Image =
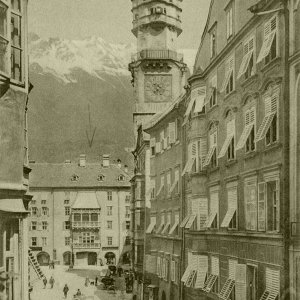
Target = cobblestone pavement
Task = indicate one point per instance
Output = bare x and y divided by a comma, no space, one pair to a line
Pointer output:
75,280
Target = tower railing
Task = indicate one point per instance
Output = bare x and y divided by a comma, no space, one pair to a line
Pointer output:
157,54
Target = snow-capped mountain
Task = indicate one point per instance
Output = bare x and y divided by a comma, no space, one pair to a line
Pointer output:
92,55
82,99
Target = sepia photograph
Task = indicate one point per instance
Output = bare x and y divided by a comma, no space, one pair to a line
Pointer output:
149,149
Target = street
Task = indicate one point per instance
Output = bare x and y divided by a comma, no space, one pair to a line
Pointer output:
75,280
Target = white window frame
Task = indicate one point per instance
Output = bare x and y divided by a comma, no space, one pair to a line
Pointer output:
251,207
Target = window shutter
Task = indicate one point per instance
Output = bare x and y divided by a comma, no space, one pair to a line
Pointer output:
250,205
272,281
232,263
158,147
199,94
215,265
203,150
240,282
173,266
162,135
202,268
248,53
261,206
152,142
172,136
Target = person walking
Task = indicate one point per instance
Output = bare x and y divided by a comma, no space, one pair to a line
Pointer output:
45,282
87,281
51,281
96,280
65,290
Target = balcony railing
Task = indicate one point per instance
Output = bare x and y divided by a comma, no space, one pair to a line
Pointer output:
86,245
88,224
157,54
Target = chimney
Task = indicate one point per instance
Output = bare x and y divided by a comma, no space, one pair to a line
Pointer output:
119,163
105,161
82,160
67,161
126,168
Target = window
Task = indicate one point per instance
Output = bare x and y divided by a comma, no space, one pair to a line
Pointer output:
212,282
85,217
33,241
44,241
127,199
168,183
127,225
33,202
67,225
109,210
213,42
192,157
212,97
127,211
152,183
94,217
152,146
43,202
227,292
67,241
3,37
127,240
229,20
33,225
269,48
162,182
228,83
230,220
211,157
247,137
247,65
272,281
268,127
45,211
45,225
229,143
213,216
121,178
109,224
109,196
175,184
77,217
34,211
67,210
16,46
109,241
74,177
196,102
100,177
250,196
151,225
66,202
172,132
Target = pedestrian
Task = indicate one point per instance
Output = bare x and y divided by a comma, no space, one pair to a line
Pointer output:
65,290
51,281
96,280
45,282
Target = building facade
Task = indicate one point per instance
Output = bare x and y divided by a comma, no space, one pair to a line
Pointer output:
236,171
14,174
80,213
158,71
163,252
294,80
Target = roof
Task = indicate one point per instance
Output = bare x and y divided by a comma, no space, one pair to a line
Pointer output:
159,116
86,200
71,175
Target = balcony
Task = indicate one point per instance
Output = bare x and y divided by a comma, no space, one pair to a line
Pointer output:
157,54
88,224
77,245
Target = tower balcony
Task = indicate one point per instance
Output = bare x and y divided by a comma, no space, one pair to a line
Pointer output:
157,54
87,224
157,20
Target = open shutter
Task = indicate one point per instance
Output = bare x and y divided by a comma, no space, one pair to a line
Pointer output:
229,64
199,94
250,204
240,282
230,130
172,137
202,151
232,206
270,30
262,206
272,281
173,266
248,53
202,269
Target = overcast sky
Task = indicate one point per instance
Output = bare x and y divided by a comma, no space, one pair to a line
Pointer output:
109,19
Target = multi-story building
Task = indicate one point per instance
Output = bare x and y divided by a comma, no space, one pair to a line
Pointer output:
14,173
81,209
236,174
158,77
294,79
158,71
163,236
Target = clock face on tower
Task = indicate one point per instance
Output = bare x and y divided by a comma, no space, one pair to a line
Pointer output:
158,88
